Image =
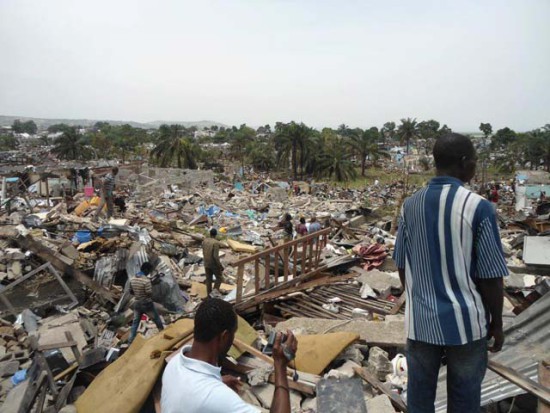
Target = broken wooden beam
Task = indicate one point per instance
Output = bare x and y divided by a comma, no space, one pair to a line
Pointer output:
51,256
396,400
520,380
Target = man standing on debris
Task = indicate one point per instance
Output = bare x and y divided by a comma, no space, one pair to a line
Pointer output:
450,260
314,226
142,289
286,225
192,381
212,263
107,189
301,228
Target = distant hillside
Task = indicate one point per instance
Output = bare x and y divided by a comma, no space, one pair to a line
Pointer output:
45,123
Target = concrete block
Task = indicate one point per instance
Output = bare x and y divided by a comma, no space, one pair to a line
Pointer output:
379,364
15,270
380,404
265,395
345,371
8,368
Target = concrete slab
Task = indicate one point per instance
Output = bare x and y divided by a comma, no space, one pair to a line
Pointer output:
380,333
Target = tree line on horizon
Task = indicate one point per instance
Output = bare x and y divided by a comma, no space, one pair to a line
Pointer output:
340,154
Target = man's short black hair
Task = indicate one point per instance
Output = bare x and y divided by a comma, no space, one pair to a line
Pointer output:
451,149
146,268
213,317
213,232
288,217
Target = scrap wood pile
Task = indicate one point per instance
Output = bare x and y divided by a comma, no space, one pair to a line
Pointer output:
60,333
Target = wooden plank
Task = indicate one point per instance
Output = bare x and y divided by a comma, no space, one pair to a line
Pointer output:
240,275
544,380
50,256
310,258
276,269
267,281
268,251
257,276
74,300
520,380
289,288
295,264
285,263
8,287
396,400
45,347
398,304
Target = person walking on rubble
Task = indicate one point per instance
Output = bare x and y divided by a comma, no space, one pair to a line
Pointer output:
314,226
450,260
142,289
288,229
301,228
212,263
192,381
107,189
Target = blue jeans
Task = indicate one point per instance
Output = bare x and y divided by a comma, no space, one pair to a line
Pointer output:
466,366
144,308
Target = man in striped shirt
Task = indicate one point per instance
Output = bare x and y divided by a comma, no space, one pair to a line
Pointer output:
107,189
142,289
450,260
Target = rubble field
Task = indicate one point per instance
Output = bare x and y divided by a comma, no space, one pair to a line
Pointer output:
66,308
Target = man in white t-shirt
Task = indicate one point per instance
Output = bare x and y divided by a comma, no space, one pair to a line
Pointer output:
192,381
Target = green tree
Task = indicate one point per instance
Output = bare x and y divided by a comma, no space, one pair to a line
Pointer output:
174,144
239,141
503,138
58,127
428,130
261,155
363,144
291,140
8,142
71,146
24,127
487,129
407,131
388,130
335,163
102,145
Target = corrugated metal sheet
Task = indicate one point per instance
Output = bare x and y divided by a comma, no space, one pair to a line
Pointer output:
527,341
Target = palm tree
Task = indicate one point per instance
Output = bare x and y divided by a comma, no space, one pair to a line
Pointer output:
291,140
364,143
335,163
407,130
173,145
71,146
260,155
388,130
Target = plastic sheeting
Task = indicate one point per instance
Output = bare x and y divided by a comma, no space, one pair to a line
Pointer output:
165,292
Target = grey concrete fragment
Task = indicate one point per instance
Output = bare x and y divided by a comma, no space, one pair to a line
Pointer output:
8,368
380,404
379,364
380,333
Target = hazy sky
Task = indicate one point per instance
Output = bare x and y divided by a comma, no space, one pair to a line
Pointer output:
321,62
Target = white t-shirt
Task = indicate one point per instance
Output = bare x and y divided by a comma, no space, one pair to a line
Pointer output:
193,386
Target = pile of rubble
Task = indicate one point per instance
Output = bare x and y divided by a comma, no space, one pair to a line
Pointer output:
67,308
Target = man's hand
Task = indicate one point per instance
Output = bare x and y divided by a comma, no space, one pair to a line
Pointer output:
495,331
290,345
234,383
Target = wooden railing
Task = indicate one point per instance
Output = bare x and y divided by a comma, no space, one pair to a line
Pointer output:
296,258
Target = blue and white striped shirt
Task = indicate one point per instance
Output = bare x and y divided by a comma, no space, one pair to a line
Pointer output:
448,238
